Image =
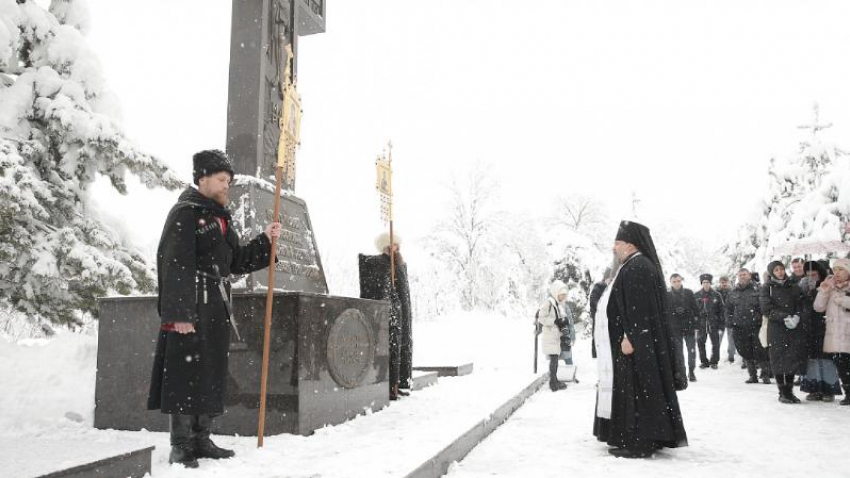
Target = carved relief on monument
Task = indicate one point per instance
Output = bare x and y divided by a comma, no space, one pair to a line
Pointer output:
351,348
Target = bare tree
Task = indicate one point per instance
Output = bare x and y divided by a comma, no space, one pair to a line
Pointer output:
461,239
580,213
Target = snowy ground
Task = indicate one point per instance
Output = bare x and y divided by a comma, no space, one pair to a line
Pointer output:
49,395
734,430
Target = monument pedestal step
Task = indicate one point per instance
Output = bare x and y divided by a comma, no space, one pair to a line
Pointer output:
424,379
40,458
447,370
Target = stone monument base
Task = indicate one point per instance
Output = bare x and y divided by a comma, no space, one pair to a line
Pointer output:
329,363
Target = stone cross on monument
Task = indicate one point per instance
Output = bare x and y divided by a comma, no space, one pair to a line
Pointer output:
261,31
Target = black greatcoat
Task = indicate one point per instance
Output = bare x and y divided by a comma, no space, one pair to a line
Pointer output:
787,346
190,371
375,284
645,408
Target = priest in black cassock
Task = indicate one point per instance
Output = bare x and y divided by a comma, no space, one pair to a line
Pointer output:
641,365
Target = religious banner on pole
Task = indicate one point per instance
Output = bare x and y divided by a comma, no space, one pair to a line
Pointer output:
384,185
290,124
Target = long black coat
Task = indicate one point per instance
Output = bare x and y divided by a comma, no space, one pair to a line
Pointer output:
190,371
645,407
683,308
595,295
787,346
375,284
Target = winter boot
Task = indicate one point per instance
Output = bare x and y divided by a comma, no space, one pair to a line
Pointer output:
814,397
765,376
751,368
783,393
691,376
555,386
182,449
204,447
846,400
828,398
789,390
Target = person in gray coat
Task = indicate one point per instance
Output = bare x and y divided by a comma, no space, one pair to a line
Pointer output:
781,302
553,321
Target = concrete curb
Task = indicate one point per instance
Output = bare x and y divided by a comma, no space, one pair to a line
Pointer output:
438,465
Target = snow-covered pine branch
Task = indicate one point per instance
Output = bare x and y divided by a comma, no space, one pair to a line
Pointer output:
57,135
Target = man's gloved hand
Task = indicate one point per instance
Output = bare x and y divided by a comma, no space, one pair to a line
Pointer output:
791,321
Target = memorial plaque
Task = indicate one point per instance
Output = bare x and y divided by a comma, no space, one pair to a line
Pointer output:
351,348
299,266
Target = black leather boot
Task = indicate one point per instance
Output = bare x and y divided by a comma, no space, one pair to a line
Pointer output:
182,449
751,368
691,376
204,447
846,399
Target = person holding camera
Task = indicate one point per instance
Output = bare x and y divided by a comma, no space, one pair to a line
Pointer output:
781,302
686,318
555,325
834,299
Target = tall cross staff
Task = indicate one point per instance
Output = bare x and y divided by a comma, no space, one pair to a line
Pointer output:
290,126
385,191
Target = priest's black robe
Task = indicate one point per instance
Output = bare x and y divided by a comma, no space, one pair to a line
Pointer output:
645,409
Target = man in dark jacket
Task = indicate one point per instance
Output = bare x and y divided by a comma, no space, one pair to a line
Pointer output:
685,316
198,250
723,288
744,317
637,408
376,284
712,321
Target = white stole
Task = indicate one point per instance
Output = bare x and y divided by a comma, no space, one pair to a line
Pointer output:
604,358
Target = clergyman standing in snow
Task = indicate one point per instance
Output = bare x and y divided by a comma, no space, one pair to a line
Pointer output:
639,354
198,250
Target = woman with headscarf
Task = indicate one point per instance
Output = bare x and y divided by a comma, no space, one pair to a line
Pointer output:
834,299
552,316
781,302
821,379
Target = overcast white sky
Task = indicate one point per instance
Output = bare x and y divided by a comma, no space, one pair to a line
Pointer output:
681,101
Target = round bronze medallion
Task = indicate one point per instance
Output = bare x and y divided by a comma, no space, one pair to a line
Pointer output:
351,348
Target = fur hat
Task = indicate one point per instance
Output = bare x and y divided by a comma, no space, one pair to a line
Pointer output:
557,288
208,162
706,277
382,242
841,264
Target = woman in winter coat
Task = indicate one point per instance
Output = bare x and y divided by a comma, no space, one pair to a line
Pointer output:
834,299
781,302
551,316
821,379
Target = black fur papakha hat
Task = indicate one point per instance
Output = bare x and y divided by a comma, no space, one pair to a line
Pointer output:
210,161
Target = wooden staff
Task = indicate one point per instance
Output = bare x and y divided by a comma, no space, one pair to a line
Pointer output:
267,324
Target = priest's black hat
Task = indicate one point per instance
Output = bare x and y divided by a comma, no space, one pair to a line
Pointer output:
705,277
210,161
638,234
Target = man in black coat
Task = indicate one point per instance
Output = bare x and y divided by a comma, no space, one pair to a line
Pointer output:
376,284
743,311
197,252
685,317
712,321
640,369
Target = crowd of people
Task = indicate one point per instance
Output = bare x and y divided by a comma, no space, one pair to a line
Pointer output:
789,326
793,329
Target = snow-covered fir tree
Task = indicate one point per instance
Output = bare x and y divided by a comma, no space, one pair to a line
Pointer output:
58,133
803,200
